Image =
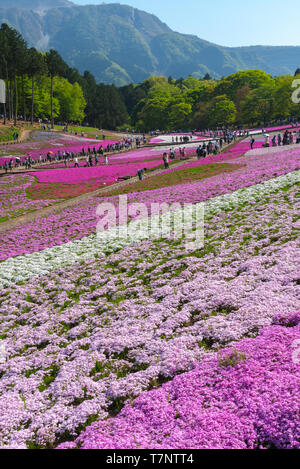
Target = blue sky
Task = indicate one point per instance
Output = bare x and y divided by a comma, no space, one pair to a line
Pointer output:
227,22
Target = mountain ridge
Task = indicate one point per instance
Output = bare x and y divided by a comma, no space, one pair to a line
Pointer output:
120,44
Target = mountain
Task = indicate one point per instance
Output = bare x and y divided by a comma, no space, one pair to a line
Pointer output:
120,44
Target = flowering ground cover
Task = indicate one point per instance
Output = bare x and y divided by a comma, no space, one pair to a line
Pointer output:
84,340
45,261
172,137
80,220
107,175
18,192
112,159
290,149
252,168
136,342
37,148
245,397
70,146
103,174
279,128
182,175
59,191
13,197
137,156
199,135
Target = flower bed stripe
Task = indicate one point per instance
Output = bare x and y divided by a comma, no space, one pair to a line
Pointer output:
16,269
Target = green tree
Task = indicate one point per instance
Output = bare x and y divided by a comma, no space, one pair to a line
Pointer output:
36,67
111,110
259,105
251,78
56,67
200,116
71,100
179,113
223,113
13,48
283,103
42,98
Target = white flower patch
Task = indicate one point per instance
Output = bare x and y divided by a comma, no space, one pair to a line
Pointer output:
41,263
270,150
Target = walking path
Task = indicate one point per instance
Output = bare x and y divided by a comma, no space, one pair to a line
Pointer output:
47,164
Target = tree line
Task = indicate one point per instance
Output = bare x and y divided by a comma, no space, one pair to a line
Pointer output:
42,85
37,84
246,98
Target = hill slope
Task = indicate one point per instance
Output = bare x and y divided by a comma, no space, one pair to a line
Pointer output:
120,44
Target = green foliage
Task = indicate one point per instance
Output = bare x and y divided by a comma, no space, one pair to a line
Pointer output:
231,358
39,79
248,97
7,135
259,106
43,85
223,113
71,100
231,84
49,378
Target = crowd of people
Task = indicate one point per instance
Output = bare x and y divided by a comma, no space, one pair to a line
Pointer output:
92,155
288,138
212,148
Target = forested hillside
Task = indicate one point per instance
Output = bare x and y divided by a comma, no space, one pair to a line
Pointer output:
120,44
43,85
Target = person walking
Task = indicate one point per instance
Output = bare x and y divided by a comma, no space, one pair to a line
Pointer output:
279,139
166,160
141,173
76,165
199,152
